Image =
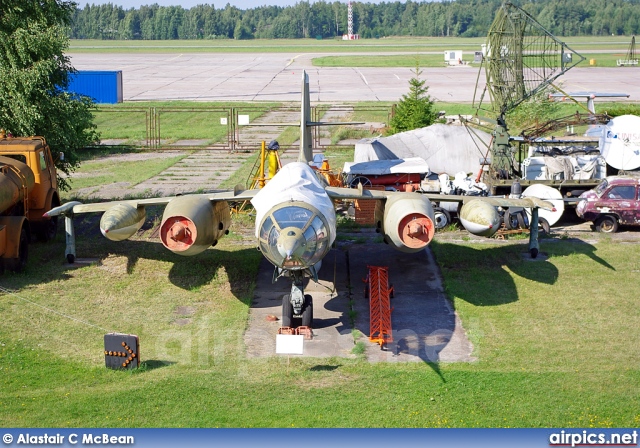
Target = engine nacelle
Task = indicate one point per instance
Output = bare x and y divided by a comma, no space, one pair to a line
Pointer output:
407,221
480,218
121,221
190,224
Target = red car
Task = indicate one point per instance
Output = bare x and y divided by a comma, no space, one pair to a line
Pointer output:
615,201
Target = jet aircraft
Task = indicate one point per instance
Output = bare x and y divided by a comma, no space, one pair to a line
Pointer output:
295,219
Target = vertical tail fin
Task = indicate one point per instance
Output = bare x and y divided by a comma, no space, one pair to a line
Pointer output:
306,143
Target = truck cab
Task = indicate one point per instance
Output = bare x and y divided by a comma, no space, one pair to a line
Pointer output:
28,189
615,201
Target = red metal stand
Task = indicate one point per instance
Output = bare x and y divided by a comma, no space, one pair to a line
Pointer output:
380,305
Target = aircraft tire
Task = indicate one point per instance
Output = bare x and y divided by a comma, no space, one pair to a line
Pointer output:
287,311
442,218
544,226
307,312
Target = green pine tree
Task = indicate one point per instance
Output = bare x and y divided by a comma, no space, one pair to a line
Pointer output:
415,109
34,71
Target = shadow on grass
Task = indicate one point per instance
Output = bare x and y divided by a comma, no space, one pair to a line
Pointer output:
47,262
323,368
482,275
152,364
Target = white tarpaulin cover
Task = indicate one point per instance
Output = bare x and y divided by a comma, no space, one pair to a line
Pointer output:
446,149
295,182
412,165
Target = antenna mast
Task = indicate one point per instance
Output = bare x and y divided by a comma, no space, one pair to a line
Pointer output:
350,35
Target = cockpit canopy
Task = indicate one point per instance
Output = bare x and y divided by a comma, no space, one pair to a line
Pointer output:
294,236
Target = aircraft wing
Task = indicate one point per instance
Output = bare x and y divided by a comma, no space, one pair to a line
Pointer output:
353,193
78,207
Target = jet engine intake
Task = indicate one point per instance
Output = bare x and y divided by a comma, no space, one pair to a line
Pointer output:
407,221
121,221
190,224
480,218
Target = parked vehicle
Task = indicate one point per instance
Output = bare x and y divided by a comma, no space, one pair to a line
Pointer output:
615,201
28,189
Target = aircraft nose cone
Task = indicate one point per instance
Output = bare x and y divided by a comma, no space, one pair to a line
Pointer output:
289,242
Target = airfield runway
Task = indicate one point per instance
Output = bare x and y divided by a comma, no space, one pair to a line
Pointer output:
277,76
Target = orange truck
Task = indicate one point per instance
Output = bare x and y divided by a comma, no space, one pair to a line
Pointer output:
28,189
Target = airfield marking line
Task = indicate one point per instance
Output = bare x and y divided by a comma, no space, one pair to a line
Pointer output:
177,57
362,76
396,76
12,293
293,59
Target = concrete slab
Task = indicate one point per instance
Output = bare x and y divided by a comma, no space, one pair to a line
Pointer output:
425,326
276,77
331,333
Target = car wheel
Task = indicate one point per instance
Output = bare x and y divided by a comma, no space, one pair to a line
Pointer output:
607,224
18,264
48,230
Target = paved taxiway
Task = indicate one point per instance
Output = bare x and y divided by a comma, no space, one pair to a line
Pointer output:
276,77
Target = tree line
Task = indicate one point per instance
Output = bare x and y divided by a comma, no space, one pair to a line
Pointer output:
320,19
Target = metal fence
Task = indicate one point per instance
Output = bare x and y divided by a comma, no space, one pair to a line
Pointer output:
223,128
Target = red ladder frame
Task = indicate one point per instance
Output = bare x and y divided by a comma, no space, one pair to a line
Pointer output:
380,309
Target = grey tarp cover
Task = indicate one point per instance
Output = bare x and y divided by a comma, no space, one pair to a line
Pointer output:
446,149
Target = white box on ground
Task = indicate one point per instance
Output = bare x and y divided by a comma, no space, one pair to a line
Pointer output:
289,344
243,120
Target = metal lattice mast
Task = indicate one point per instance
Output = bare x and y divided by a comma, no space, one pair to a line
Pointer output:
631,54
522,58
350,19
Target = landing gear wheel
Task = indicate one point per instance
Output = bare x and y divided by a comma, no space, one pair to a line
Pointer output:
510,220
533,252
515,220
442,218
71,258
307,312
23,252
543,227
287,311
607,224
523,222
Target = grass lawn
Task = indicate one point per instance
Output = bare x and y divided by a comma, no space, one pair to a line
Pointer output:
389,44
173,120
